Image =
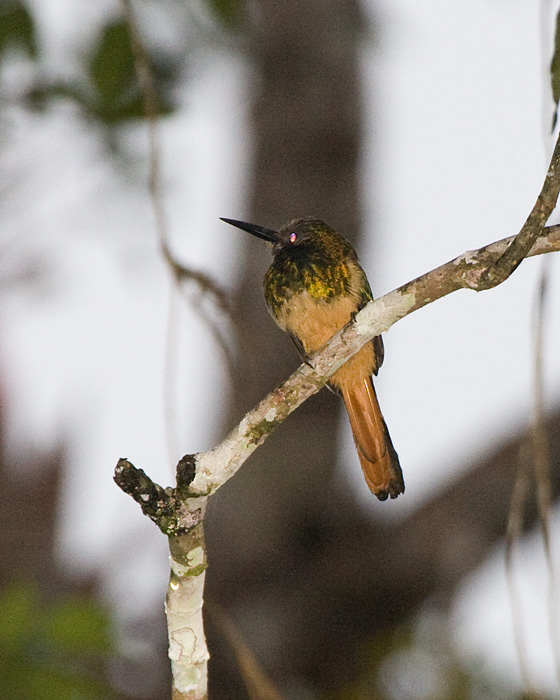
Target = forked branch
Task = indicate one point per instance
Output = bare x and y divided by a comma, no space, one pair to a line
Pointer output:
179,511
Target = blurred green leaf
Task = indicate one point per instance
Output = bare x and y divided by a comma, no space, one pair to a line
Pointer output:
37,98
52,651
27,682
555,70
228,12
16,28
110,94
49,683
111,69
112,65
78,625
18,616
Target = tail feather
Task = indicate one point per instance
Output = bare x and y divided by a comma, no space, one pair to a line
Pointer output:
379,460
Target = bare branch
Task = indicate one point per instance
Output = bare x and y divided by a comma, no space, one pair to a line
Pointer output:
187,646
542,466
215,467
167,507
531,230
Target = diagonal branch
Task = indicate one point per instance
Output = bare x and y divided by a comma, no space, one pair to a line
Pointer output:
187,645
215,467
198,476
520,246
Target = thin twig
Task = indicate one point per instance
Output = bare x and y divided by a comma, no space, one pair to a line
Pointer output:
540,459
513,533
532,228
542,466
149,97
148,92
180,273
257,683
208,288
162,505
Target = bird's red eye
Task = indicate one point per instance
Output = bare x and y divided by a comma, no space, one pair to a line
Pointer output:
293,237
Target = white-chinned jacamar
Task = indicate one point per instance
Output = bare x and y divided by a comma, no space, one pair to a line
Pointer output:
313,288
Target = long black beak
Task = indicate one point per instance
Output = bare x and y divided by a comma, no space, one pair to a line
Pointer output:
266,234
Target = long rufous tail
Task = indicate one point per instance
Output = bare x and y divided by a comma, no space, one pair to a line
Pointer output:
379,460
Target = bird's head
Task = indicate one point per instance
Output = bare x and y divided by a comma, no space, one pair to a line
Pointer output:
295,234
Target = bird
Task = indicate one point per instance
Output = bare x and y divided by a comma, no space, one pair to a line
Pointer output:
315,286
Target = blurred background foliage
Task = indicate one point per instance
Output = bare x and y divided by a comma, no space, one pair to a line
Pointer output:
107,90
17,30
53,650
60,644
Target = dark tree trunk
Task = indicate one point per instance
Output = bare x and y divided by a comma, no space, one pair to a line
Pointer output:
303,572
306,131
306,121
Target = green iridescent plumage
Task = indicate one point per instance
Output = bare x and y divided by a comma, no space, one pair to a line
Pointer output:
323,264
